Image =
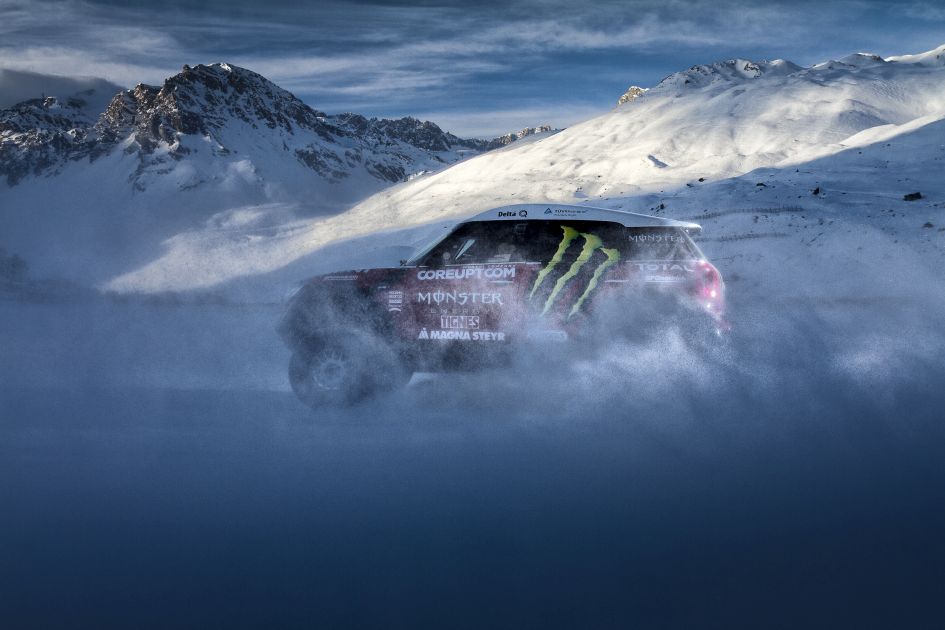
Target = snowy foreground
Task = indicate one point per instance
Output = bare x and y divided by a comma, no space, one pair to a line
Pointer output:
155,470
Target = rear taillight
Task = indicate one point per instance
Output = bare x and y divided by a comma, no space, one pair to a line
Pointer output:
711,289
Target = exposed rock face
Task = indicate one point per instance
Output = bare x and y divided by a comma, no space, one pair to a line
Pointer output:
633,92
38,134
509,138
223,110
725,73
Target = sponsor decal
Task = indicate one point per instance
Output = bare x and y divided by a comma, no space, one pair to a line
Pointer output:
613,256
664,267
658,237
448,322
569,235
466,273
461,335
565,212
523,213
395,301
436,311
663,279
340,277
592,244
458,297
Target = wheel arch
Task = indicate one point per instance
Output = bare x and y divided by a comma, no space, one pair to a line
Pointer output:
321,307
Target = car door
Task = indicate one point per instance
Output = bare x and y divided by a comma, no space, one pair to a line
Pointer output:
469,287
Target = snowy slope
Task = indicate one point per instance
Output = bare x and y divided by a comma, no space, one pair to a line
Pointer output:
715,122
91,189
775,160
861,131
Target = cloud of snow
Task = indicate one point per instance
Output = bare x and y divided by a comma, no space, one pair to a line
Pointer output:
807,331
813,438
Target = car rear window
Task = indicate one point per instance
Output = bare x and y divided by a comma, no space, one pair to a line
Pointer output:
486,242
659,244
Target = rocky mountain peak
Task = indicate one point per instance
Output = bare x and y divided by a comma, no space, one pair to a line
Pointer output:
509,138
633,92
228,115
201,100
726,72
227,111
36,133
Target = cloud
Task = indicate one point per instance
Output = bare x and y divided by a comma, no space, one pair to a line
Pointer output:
924,11
71,39
17,86
485,57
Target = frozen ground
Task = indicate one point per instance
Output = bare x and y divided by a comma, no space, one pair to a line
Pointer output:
145,508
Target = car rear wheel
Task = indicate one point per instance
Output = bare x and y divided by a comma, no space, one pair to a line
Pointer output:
343,369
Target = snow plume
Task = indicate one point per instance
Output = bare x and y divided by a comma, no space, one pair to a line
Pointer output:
802,456
794,362
861,310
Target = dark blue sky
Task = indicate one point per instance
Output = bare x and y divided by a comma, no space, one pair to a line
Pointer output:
477,68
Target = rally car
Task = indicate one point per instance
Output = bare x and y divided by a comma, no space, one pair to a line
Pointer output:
508,277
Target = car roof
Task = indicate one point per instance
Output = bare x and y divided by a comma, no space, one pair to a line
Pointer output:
551,211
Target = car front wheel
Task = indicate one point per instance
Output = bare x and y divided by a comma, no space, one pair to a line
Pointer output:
342,369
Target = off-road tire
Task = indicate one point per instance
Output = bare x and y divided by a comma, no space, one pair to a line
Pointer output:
342,369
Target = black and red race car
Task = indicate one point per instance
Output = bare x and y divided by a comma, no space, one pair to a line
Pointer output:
510,276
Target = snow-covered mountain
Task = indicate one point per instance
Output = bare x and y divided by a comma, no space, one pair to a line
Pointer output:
712,122
149,162
208,119
776,161
769,156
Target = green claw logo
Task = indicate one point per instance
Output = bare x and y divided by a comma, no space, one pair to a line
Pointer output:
592,244
569,235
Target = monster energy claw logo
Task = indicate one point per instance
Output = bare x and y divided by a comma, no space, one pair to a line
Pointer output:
592,244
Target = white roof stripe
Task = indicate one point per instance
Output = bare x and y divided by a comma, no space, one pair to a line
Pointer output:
551,211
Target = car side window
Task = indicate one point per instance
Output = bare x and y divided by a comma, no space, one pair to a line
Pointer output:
480,243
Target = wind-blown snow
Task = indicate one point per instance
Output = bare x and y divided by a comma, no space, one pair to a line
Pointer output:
19,85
